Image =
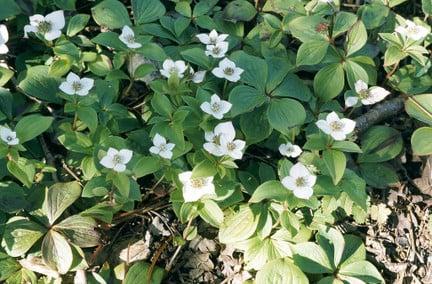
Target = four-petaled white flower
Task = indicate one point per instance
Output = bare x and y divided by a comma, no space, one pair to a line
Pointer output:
161,147
116,159
216,107
221,141
300,181
195,189
228,70
336,127
4,37
171,67
218,50
290,150
412,31
128,37
74,85
8,136
49,26
212,38
367,96
197,77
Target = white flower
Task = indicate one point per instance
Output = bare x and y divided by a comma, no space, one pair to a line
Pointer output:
170,68
4,37
212,38
232,148
228,70
116,159
221,141
412,31
8,136
50,26
197,77
216,107
196,188
300,181
290,150
161,147
213,145
74,85
128,37
218,50
367,96
336,127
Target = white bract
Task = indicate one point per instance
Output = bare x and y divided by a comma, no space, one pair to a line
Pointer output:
216,107
74,85
171,67
197,77
212,38
218,50
221,141
49,26
290,150
161,147
4,37
336,127
228,70
367,96
128,37
195,189
116,159
412,31
8,136
300,181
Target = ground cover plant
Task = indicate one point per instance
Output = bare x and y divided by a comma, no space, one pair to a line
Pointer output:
213,141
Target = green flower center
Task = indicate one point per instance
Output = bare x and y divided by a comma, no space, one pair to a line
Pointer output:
215,107
336,125
44,27
130,38
228,71
117,159
197,182
231,146
300,182
76,86
364,94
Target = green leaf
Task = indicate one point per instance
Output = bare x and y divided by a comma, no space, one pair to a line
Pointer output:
211,213
37,83
146,166
427,7
76,24
420,107
68,5
89,116
329,81
356,38
239,10
293,87
335,162
346,146
32,126
238,226
9,9
255,125
354,250
305,28
184,9
56,252
245,99
379,175
333,243
109,39
142,272
196,56
5,75
311,258
205,168
111,14
421,141
20,234
59,197
362,270
255,69
285,113
393,55
355,72
23,170
81,231
147,11
272,190
152,51
355,187
343,22
8,266
162,105
281,271
311,52
12,197
379,144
